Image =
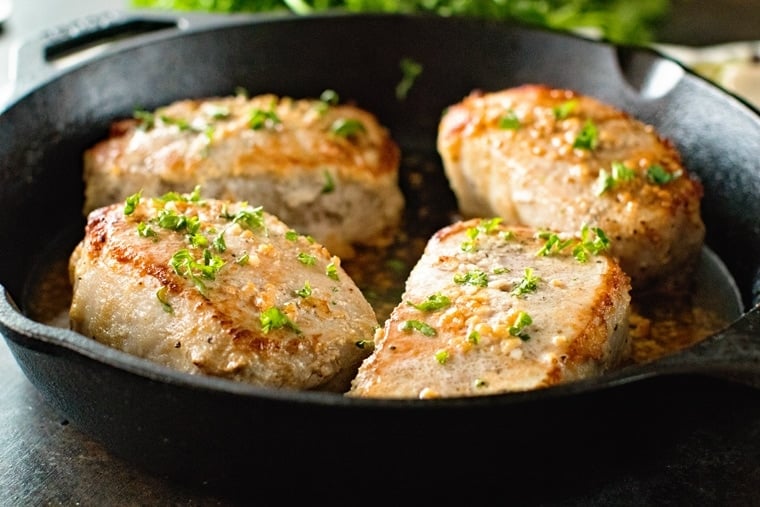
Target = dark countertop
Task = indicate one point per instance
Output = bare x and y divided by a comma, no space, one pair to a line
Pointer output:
46,461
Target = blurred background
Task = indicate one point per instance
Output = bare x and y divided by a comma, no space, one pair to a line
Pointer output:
720,39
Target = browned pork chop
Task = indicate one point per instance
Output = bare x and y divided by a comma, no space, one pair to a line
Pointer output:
556,159
326,169
219,288
490,309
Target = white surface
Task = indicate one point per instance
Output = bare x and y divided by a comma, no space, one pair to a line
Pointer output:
27,20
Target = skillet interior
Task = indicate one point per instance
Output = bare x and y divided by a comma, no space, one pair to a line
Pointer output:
138,408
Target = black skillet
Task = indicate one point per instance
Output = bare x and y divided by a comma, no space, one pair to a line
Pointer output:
212,431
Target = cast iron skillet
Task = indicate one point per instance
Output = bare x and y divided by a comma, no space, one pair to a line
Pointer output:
216,431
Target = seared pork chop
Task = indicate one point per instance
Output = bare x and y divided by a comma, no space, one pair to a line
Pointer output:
556,159
490,309
219,288
326,169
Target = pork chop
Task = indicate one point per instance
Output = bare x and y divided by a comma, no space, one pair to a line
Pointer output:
219,288
556,159
491,309
325,168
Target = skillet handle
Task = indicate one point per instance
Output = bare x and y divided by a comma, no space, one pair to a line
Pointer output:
732,354
41,56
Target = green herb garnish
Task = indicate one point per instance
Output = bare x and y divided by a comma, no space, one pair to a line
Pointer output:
433,302
509,121
416,325
274,318
521,322
588,137
347,127
410,71
659,176
475,277
528,284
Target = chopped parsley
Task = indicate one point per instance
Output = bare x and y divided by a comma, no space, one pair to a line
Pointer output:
332,271
250,218
442,356
410,71
416,325
485,226
588,137
130,204
304,291
329,184
433,302
162,296
509,121
263,119
347,127
274,318
659,176
187,266
306,259
475,277
528,284
620,173
564,110
593,241
521,322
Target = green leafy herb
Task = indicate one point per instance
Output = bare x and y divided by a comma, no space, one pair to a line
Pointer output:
588,137
243,259
620,173
521,322
553,243
617,20
332,271
347,127
442,356
509,121
410,71
274,318
306,259
564,110
261,119
252,219
146,231
659,176
146,119
433,302
593,241
162,295
528,284
130,204
329,185
475,277
187,266
304,291
416,325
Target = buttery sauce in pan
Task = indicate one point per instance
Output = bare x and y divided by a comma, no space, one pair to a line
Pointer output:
661,323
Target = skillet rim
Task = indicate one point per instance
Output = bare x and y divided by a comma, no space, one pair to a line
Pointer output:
21,328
